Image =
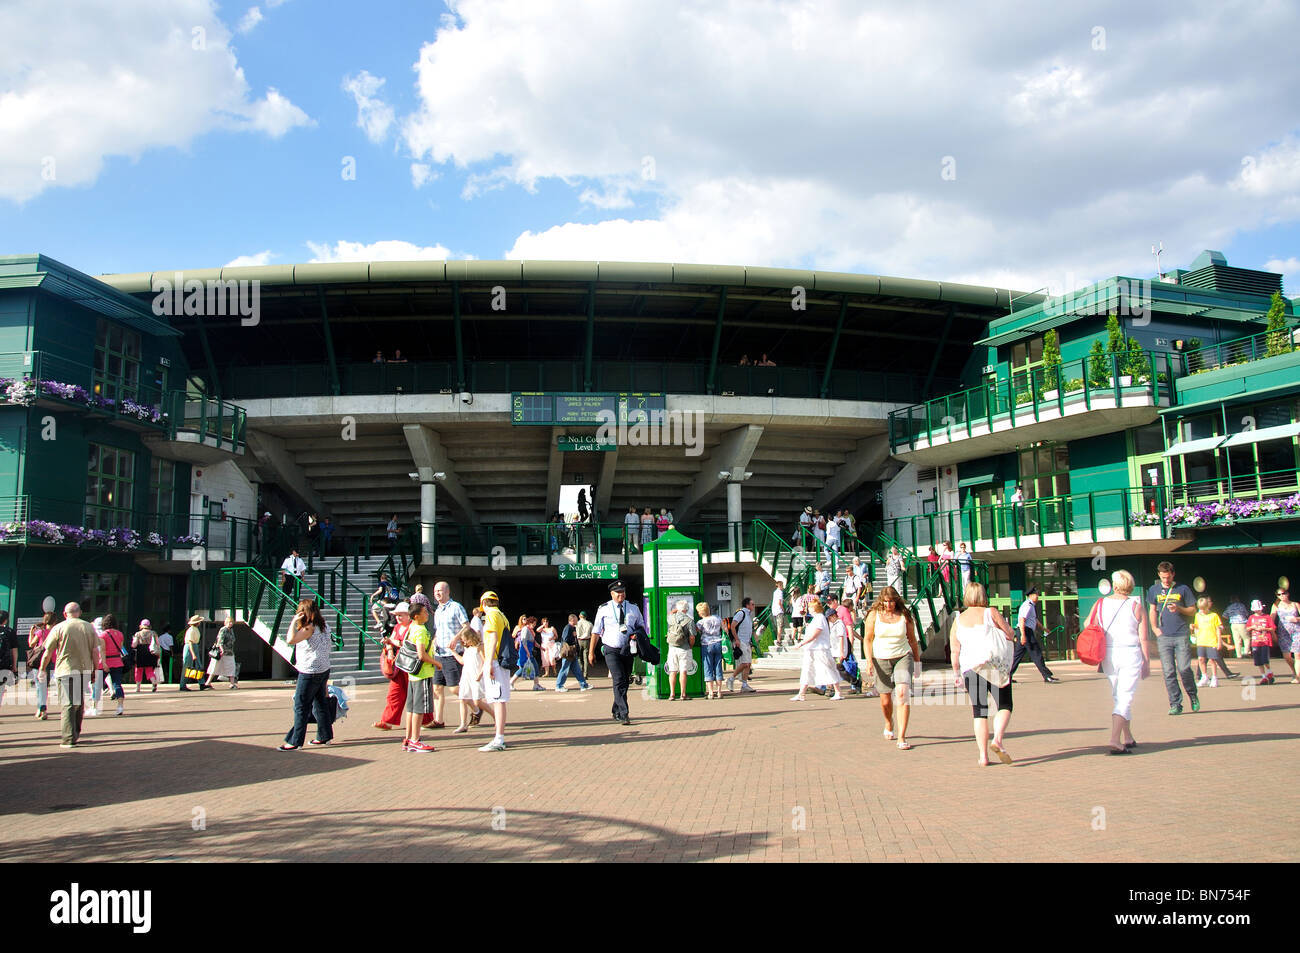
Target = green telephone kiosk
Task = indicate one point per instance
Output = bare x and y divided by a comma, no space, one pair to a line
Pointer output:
672,575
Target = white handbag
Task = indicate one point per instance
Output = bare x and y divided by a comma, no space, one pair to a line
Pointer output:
1001,655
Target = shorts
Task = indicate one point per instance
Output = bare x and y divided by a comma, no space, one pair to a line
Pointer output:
679,660
496,685
1207,651
419,695
982,692
893,673
449,674
797,621
1260,655
746,654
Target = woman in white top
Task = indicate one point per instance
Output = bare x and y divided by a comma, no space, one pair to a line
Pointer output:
550,651
818,665
972,629
889,649
1127,661
894,568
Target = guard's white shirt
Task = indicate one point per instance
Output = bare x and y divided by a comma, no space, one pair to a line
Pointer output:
606,627
293,566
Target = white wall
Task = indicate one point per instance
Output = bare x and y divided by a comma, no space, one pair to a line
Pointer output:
221,482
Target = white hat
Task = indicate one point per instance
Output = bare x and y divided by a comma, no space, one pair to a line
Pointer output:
267,513
402,607
1256,606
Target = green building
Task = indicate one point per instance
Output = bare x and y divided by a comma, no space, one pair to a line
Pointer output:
103,442
1141,420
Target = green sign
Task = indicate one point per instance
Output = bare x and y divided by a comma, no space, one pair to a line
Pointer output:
589,571
559,409
569,443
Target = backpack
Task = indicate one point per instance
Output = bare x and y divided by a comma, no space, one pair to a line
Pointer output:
1090,646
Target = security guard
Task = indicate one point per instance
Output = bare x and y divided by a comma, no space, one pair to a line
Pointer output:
618,622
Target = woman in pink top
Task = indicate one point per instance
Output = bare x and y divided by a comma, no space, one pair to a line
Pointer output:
114,643
36,641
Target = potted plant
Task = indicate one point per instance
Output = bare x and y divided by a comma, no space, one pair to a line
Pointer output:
1279,335
1072,385
1098,365
1051,365
1136,363
1024,397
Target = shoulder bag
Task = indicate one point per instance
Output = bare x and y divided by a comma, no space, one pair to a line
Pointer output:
1090,646
408,657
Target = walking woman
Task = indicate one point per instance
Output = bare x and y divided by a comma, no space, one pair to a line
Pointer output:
145,646
977,663
710,629
1127,659
36,637
526,653
890,647
222,664
311,635
1288,630
115,651
190,664
894,568
818,665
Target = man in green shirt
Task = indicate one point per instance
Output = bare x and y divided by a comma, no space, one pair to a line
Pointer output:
78,650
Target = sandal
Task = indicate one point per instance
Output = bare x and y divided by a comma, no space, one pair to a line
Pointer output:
287,748
889,734
383,726
461,730
904,746
998,750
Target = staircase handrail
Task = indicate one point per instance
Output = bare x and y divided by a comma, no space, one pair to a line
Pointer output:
341,619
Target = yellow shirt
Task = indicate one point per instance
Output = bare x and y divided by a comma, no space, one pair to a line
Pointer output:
495,627
1206,629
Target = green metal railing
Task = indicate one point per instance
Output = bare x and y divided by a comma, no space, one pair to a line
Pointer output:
210,418
1024,396
1237,351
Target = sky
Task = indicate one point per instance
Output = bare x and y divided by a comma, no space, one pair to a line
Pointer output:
1021,145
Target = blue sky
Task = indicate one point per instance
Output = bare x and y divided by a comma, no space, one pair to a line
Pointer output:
1024,146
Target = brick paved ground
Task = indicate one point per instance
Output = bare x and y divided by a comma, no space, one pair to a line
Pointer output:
723,780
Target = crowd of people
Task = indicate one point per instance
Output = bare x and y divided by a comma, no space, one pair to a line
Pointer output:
436,653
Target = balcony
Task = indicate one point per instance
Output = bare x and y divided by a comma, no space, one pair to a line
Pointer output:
1076,399
1259,364
201,430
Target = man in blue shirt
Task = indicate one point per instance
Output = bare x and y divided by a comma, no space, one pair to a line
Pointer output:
1170,606
617,624
448,619
1027,643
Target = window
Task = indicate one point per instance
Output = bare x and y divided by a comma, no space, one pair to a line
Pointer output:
1148,440
110,475
103,592
162,482
1274,455
1198,428
1045,471
1027,352
117,361
1200,466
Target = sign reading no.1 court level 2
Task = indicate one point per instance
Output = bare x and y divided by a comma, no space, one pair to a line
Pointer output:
589,571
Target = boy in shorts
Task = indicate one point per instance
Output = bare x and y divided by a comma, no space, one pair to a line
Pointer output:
1261,631
1207,634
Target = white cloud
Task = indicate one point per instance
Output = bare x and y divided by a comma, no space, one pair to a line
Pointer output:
391,250
421,174
83,81
812,134
251,19
275,115
1289,268
373,114
261,258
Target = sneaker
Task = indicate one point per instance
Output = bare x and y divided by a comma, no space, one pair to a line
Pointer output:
746,687
1176,710
1214,683
120,709
562,689
42,715
1233,675
731,684
1200,682
91,712
1196,704
67,746
496,744
416,746
585,688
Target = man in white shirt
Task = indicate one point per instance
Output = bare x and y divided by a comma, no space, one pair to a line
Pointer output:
291,572
742,625
833,535
617,623
1027,624
778,613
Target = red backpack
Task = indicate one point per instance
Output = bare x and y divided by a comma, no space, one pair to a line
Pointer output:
1090,646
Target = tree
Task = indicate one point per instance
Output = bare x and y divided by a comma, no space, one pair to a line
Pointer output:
1051,361
1098,365
1136,363
1114,336
1279,335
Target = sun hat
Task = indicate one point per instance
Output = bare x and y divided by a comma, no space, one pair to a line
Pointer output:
195,620
145,624
402,607
1256,606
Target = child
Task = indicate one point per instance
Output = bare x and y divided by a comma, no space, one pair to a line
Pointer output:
471,676
1207,630
1261,631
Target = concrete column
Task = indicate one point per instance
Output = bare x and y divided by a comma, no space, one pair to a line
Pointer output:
428,516
733,510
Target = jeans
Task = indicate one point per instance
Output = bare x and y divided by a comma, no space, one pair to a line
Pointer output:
115,676
1176,660
569,667
311,696
712,655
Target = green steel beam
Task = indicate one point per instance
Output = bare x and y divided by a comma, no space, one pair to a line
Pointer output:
329,342
213,380
460,343
717,343
938,351
835,343
590,346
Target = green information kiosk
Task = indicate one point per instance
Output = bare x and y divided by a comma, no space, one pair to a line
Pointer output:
672,574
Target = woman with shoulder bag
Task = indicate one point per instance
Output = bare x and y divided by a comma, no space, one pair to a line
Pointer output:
982,662
116,652
222,656
145,646
1127,661
36,637
310,634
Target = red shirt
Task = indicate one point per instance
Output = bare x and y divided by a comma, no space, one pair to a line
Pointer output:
113,642
1261,628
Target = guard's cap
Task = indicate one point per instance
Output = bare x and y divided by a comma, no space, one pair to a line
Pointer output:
617,586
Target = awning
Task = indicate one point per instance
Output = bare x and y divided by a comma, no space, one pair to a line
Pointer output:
1283,432
977,473
1193,446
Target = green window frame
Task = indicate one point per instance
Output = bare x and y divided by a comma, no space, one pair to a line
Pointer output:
104,592
110,483
162,486
117,361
